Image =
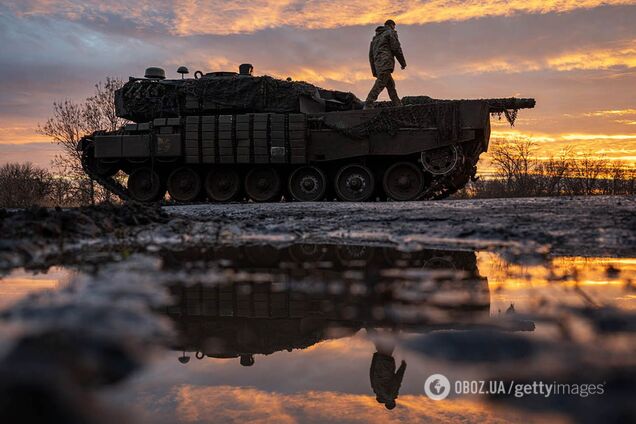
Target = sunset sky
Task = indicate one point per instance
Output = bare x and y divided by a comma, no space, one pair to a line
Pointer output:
576,57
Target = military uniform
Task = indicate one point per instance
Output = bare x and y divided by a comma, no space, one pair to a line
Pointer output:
385,48
385,381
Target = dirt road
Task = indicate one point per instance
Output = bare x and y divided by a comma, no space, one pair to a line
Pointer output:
519,228
564,226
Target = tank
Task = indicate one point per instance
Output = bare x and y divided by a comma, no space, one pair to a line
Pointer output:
228,136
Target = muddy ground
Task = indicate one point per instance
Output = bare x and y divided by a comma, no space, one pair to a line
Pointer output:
520,228
579,225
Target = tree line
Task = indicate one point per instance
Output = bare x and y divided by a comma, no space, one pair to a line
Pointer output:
66,184
520,172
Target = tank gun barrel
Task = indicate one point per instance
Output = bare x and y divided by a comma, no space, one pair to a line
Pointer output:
501,105
496,105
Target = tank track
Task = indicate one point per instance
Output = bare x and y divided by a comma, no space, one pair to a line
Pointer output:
450,184
109,183
441,188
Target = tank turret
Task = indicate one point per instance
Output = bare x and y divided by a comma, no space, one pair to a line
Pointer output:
145,99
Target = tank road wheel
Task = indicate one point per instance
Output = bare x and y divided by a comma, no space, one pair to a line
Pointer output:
347,253
262,184
223,184
440,161
145,186
354,183
184,184
306,252
403,181
307,184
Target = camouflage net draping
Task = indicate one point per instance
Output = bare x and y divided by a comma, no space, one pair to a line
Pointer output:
247,94
143,100
508,107
444,116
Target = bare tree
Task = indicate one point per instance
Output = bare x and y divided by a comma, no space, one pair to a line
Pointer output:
587,172
519,172
554,170
24,185
515,164
619,178
71,121
62,193
99,110
66,128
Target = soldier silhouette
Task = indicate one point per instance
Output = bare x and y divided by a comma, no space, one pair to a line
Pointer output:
385,48
385,381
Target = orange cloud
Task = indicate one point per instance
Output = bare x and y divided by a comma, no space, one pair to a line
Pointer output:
520,135
344,74
620,147
619,137
518,284
612,112
617,56
20,134
236,404
245,16
20,284
621,54
196,17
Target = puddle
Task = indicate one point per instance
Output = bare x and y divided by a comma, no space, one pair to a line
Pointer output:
19,283
318,332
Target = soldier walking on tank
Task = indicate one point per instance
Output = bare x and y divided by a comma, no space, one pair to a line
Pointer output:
385,48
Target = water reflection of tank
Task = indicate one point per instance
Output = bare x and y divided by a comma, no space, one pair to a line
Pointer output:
326,256
306,302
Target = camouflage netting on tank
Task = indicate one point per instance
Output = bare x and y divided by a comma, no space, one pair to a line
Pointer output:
143,100
509,107
245,94
443,115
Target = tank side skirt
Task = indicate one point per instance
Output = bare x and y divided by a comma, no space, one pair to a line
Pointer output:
200,138
326,145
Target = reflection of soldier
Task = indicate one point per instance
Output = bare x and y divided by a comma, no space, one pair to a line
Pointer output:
385,381
385,48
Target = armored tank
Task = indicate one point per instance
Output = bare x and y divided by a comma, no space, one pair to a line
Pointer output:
232,136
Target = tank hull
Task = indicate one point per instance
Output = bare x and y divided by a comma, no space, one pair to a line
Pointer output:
432,148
